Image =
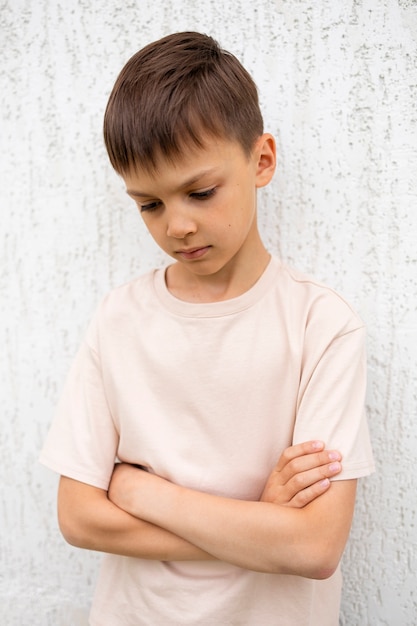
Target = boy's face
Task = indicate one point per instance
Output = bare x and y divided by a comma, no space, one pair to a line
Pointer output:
201,210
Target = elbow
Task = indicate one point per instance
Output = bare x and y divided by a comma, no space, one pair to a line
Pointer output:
319,532
322,573
74,527
71,530
322,562
77,513
318,561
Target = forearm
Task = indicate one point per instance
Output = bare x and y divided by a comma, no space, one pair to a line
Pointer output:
88,519
253,535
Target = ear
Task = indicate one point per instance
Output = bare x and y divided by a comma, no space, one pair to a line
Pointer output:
265,155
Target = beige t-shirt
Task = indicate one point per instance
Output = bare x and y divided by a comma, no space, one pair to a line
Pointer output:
207,396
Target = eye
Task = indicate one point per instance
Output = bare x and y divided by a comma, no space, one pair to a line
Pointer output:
151,206
203,195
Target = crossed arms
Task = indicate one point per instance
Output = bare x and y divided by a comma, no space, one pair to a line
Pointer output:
300,525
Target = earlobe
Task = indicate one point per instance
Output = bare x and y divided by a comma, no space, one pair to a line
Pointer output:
266,159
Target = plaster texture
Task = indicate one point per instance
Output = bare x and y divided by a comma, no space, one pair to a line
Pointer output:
338,83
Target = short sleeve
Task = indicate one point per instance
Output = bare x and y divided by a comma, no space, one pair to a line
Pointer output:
82,441
331,404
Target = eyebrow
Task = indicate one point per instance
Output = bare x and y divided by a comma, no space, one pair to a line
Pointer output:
188,183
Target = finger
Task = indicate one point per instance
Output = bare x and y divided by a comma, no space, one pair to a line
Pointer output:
298,450
304,497
312,478
302,464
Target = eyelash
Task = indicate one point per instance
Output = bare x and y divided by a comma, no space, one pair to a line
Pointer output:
197,195
152,206
204,195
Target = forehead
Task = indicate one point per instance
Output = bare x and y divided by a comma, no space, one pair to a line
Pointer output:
194,164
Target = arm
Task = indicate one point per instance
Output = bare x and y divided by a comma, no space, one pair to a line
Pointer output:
294,532
88,519
263,536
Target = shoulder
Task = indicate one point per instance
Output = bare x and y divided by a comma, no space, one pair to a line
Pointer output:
132,293
124,306
315,305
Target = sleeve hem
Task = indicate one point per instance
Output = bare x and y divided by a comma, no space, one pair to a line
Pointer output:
75,473
359,470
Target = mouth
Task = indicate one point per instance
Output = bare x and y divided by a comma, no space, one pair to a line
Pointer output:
193,253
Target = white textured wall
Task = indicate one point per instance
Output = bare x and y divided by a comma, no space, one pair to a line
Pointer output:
339,87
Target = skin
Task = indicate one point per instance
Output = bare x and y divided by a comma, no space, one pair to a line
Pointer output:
264,536
206,202
95,519
201,210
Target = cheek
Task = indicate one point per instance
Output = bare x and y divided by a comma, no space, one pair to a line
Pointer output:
155,230
151,224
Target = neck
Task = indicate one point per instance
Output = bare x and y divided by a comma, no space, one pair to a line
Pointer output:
234,279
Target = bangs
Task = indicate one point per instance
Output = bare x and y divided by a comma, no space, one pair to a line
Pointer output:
172,95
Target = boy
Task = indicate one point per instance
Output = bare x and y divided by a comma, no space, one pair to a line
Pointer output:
199,376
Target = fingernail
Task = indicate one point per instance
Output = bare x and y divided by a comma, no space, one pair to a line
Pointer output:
317,445
325,482
334,467
334,456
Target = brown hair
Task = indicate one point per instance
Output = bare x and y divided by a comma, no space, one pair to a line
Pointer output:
174,92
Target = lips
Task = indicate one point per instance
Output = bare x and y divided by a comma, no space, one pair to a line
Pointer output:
193,253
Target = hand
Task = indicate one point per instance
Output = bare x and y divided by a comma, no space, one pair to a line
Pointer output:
124,484
301,475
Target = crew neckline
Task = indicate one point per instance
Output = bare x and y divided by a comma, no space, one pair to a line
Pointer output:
215,309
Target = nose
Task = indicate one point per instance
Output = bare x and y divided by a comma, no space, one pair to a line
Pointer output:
180,223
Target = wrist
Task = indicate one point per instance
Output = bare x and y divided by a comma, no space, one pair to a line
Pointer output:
127,488
159,501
